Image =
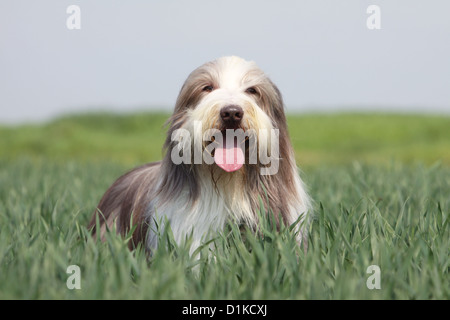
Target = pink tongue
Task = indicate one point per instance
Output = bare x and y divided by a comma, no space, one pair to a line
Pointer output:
229,158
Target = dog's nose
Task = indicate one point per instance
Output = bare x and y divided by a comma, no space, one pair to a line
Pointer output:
231,114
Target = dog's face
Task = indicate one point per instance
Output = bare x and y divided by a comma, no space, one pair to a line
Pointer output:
231,97
226,96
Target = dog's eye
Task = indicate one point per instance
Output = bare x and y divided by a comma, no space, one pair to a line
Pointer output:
208,88
251,90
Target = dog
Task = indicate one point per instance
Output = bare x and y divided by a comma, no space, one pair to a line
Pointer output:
228,157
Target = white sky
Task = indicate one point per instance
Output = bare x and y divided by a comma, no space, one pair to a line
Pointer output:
136,54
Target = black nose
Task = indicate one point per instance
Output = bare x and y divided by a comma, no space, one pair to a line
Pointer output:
231,115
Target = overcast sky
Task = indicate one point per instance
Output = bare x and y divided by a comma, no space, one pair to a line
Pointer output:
135,54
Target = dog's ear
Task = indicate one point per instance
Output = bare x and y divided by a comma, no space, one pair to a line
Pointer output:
277,105
193,89
272,103
188,97
177,176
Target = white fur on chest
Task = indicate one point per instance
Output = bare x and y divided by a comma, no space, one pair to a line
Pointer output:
216,205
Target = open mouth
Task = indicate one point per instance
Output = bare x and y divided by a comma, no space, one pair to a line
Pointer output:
229,155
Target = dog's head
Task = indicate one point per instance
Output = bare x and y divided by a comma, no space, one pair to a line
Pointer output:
233,112
231,84
229,119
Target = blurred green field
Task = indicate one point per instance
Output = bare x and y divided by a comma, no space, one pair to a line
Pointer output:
380,183
317,139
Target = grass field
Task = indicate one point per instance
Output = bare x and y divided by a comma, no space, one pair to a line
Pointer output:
381,184
317,139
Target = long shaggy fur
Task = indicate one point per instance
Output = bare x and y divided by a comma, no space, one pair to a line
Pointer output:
199,199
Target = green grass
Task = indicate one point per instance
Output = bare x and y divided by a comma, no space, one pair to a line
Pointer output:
317,139
374,206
